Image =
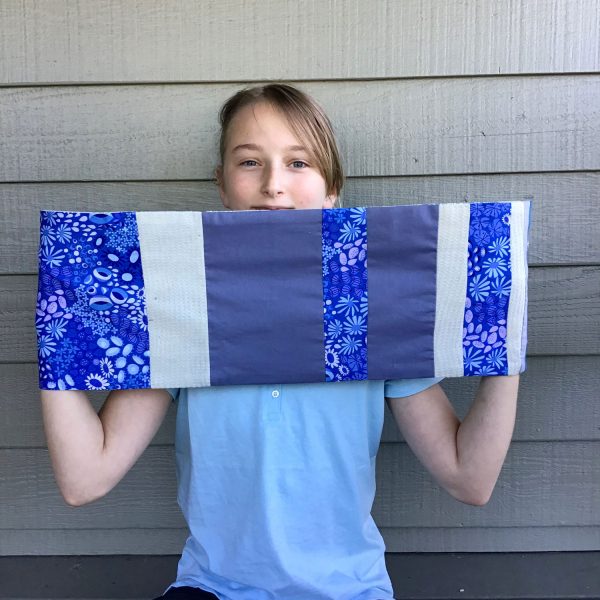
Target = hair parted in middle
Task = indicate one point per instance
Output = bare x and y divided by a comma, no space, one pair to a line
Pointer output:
306,119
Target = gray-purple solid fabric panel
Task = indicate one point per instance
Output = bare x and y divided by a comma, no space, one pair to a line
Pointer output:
402,291
264,296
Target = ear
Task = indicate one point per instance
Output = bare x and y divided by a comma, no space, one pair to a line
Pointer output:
221,185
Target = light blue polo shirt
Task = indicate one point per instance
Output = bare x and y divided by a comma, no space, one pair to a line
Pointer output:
276,483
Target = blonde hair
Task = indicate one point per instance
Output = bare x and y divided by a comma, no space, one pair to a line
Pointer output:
306,119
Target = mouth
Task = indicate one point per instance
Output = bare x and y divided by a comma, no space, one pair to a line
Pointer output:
272,207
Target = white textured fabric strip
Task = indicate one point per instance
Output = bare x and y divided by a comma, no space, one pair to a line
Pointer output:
516,304
172,249
451,286
527,225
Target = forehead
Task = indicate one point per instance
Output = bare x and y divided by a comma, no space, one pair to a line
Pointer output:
260,120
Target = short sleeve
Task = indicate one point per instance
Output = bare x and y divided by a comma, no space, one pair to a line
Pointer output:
174,393
400,388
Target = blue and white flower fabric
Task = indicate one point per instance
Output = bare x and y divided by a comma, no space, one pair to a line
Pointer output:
91,321
189,299
345,294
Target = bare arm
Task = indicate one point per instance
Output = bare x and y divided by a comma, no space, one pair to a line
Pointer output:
464,458
91,452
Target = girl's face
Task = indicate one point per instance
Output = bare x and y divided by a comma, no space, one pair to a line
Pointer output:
265,165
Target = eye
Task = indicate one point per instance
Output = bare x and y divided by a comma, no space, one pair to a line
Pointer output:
299,164
245,163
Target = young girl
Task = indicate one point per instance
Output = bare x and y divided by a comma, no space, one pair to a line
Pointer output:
276,482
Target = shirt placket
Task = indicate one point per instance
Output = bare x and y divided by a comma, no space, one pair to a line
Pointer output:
273,398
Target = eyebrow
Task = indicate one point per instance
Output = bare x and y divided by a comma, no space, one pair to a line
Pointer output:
259,148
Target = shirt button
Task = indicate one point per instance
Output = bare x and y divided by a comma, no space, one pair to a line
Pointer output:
275,393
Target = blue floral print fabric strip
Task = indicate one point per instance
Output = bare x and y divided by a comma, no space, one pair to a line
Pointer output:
189,299
488,290
91,321
345,293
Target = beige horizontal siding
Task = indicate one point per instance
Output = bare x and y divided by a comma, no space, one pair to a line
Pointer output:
491,539
62,41
535,489
145,519
564,207
546,410
162,540
47,542
432,102
385,128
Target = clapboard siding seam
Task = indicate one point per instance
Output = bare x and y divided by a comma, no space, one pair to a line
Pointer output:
573,265
61,542
356,177
512,443
561,300
34,362
293,81
382,443
382,528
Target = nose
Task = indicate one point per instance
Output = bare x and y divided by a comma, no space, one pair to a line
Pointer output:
272,183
